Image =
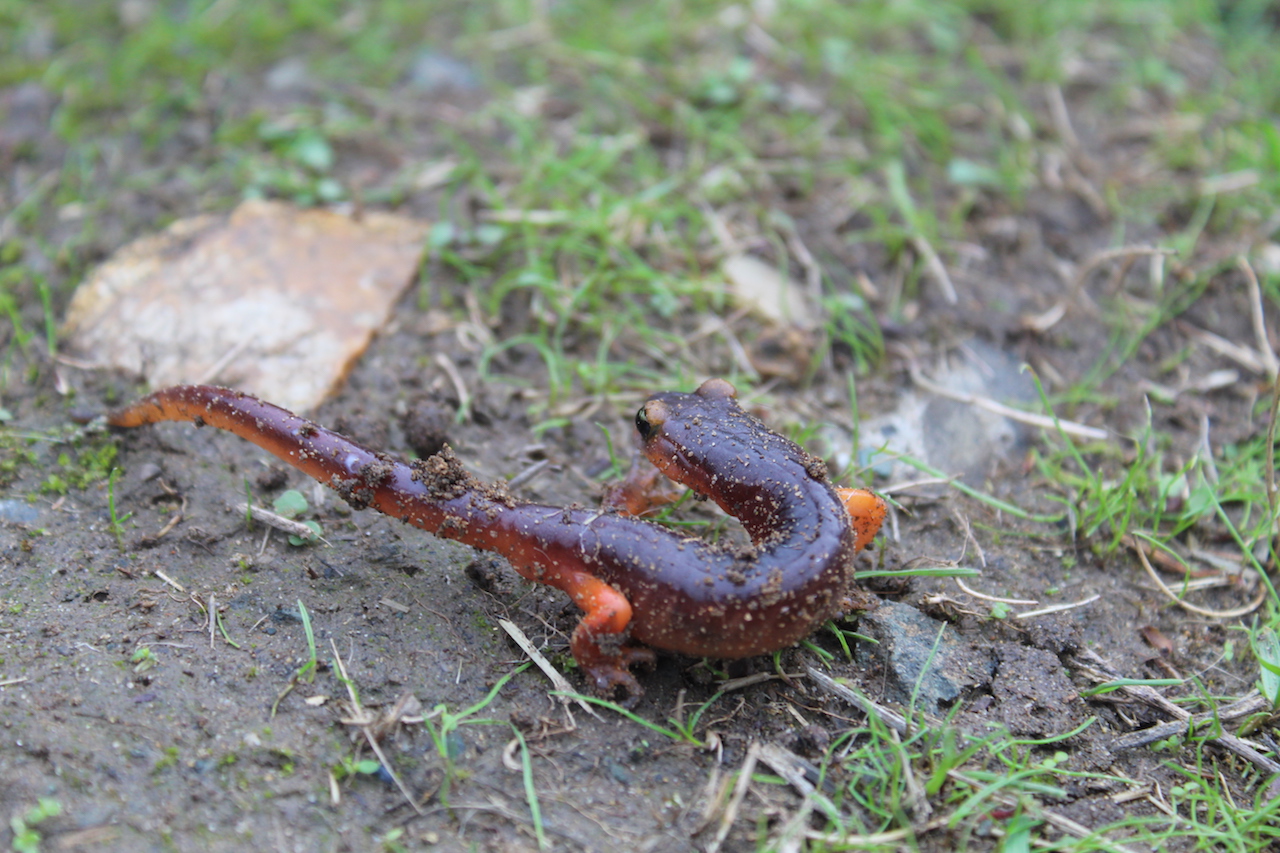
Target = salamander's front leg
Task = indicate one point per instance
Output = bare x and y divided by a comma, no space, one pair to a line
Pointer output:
599,643
644,490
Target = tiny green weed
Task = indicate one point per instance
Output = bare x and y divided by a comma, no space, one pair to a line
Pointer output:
25,827
292,504
143,659
442,724
116,525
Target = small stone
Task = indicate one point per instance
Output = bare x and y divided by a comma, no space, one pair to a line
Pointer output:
433,72
19,512
906,653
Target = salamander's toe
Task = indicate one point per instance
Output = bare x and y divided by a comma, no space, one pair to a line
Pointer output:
638,656
614,681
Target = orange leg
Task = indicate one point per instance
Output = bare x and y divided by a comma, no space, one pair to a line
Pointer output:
599,642
644,490
866,510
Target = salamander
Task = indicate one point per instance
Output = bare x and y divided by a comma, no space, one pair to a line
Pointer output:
639,584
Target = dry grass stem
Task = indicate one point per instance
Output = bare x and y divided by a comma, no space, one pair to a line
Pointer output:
1200,611
735,800
1058,608
937,270
174,521
1077,294
1258,316
960,583
1094,667
525,217
459,386
558,681
1241,355
1061,822
364,720
870,707
528,473
211,375
1030,419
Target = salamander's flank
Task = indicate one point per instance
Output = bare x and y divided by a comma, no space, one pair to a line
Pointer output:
634,580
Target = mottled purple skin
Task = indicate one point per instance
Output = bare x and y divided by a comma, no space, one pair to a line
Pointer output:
686,595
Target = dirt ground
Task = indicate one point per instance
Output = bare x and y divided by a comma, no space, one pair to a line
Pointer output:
179,748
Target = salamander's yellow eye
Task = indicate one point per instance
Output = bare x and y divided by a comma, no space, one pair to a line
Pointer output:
642,423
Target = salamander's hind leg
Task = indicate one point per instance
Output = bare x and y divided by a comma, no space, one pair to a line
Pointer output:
866,511
599,643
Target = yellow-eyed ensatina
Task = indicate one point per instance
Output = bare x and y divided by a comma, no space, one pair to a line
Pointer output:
634,580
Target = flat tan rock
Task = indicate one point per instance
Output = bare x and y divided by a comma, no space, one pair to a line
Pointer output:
768,292
271,299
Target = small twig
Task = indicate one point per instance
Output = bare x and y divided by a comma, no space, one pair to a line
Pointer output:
1271,462
720,326
792,768
1065,824
870,707
913,484
1061,117
1166,561
969,539
558,681
732,684
173,522
170,581
279,522
211,375
812,269
1097,669
529,473
525,217
1205,452
720,230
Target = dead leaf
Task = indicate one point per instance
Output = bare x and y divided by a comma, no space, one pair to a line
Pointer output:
1157,640
767,292
273,300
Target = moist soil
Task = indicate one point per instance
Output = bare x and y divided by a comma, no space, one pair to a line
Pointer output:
159,728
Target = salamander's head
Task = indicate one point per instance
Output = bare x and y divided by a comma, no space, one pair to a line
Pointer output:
677,430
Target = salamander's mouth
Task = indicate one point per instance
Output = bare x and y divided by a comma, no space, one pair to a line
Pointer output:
673,461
